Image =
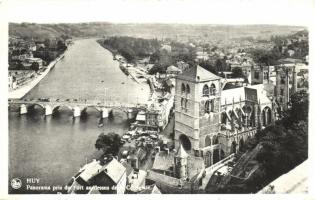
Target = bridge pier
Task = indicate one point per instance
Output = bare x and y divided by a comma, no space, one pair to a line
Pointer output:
23,109
104,112
48,110
76,112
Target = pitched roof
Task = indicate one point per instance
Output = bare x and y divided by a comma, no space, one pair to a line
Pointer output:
163,161
90,170
253,92
151,189
114,170
197,74
173,68
181,152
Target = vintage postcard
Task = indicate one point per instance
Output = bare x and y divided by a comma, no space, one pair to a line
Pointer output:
156,97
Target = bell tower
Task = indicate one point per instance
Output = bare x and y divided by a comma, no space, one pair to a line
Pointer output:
197,108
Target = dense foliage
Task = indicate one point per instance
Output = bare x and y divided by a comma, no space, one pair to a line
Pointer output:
279,148
109,143
132,48
237,72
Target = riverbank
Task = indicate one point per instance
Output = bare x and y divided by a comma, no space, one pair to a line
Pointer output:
22,91
129,69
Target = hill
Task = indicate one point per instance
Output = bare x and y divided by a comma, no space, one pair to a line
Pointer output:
174,31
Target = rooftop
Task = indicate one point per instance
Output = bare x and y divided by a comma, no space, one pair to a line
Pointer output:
197,74
253,92
164,161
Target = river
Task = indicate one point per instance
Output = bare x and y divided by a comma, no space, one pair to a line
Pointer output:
53,148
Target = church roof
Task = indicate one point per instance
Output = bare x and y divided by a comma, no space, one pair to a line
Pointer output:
197,74
253,92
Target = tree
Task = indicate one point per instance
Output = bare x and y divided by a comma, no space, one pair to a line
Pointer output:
262,56
35,66
209,66
299,102
157,68
109,143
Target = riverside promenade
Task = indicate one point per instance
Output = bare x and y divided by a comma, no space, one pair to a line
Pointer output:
22,91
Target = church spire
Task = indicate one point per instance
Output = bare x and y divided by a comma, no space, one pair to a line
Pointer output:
181,152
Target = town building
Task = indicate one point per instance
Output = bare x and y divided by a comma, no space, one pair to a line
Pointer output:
106,176
212,123
282,80
20,77
157,115
176,172
173,71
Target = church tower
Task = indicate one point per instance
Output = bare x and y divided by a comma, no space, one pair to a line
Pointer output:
180,161
197,109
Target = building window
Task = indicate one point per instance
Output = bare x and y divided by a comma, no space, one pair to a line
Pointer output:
209,106
212,89
281,91
280,100
282,81
266,75
205,90
182,102
223,118
186,104
187,90
256,75
183,88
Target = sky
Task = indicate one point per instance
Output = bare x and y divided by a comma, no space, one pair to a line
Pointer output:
295,12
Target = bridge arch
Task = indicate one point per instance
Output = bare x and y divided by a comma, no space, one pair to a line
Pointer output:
96,108
56,108
30,106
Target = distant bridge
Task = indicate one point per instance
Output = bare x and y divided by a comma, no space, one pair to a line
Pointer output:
77,106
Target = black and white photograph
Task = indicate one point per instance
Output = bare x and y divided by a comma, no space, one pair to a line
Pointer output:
156,97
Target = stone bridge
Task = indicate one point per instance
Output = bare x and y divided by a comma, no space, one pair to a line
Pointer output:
76,106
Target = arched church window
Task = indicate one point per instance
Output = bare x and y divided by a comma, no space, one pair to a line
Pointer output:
183,88
212,89
215,140
186,103
182,102
282,80
187,89
212,105
205,90
223,118
209,106
207,141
